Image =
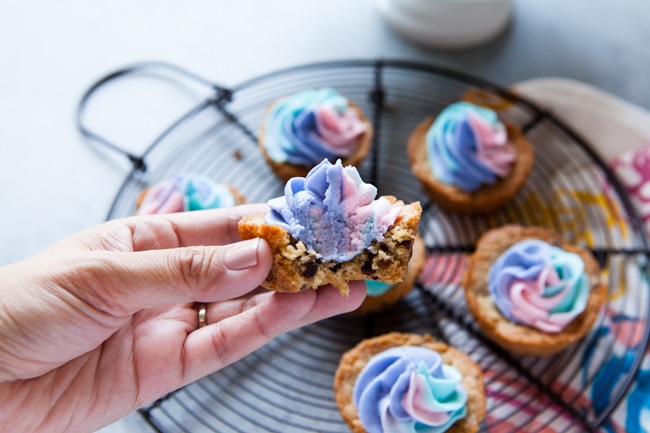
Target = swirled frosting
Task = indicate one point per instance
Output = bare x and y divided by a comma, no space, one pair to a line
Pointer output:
185,192
408,389
468,147
539,285
333,211
311,125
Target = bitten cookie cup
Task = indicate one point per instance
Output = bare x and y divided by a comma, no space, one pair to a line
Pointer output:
286,170
514,337
296,267
353,362
375,304
486,199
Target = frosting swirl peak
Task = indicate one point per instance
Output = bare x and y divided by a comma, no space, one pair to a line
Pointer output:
310,125
539,285
468,147
333,211
408,389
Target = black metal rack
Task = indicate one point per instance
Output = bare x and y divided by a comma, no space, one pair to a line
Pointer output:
286,386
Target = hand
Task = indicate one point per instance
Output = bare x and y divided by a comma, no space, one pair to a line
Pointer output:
105,321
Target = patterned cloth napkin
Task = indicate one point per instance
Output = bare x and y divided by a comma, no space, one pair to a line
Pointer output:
620,133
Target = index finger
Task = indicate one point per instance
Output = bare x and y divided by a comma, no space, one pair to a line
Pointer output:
183,229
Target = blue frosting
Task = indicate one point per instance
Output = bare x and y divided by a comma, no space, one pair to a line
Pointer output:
377,288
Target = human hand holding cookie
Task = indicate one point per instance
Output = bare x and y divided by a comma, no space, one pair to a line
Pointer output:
107,321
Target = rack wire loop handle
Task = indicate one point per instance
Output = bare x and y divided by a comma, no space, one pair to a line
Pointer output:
138,161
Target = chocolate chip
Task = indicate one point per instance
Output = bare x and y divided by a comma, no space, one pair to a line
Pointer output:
336,267
309,270
367,268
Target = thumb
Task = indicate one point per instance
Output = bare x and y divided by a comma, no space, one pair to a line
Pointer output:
125,282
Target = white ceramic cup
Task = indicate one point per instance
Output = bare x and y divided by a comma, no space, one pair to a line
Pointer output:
447,24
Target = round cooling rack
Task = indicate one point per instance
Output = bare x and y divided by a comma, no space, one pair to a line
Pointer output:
286,386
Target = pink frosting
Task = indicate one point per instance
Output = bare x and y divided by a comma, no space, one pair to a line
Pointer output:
492,147
633,169
529,305
338,130
416,402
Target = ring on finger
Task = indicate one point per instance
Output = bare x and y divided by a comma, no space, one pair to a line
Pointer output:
202,316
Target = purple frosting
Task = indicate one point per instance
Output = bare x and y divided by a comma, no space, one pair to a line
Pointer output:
333,211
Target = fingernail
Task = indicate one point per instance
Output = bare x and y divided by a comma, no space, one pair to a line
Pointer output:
243,255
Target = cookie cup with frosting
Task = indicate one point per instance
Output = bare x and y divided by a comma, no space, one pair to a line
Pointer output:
468,374
301,129
187,192
487,198
515,336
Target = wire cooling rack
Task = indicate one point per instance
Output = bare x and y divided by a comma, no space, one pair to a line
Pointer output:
286,386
